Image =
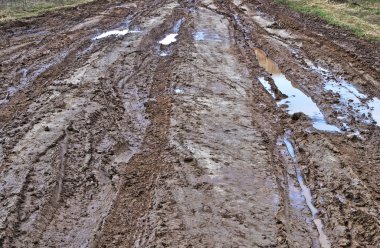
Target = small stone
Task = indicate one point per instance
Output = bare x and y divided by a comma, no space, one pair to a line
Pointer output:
296,116
46,128
188,160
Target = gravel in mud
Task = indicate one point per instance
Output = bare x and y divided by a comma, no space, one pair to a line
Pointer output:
163,123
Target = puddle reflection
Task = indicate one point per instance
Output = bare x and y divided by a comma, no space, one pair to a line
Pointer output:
297,101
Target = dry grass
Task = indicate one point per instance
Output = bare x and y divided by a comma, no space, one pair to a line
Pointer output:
16,9
361,16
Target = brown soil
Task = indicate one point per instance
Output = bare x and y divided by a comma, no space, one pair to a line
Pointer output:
125,142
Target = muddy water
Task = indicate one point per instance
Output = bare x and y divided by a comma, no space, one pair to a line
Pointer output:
364,109
306,192
296,100
351,101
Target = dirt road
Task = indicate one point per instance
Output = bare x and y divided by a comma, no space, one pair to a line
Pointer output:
187,123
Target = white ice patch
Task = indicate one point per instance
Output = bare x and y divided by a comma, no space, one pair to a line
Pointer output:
170,38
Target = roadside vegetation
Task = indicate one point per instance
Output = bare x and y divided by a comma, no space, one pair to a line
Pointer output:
361,16
15,9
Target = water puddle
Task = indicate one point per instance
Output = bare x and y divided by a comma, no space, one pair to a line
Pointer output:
204,35
118,32
306,193
169,39
351,101
179,91
295,195
297,101
374,106
115,33
172,37
267,86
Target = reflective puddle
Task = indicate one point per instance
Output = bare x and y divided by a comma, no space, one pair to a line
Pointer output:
115,33
267,86
179,91
172,37
374,106
351,101
204,35
306,193
296,100
169,39
118,32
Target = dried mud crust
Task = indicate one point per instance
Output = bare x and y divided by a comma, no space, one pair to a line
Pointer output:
125,142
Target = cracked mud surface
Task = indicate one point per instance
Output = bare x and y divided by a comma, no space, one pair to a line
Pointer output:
164,124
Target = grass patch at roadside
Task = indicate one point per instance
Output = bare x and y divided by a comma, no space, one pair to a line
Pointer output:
360,16
16,9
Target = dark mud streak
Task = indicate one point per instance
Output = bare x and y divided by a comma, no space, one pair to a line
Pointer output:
143,170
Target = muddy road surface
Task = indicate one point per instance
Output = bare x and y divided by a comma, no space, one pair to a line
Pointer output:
187,123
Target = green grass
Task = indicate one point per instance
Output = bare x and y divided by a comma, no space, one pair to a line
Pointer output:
360,16
17,9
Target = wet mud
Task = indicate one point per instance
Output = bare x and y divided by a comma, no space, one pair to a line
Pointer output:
187,123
